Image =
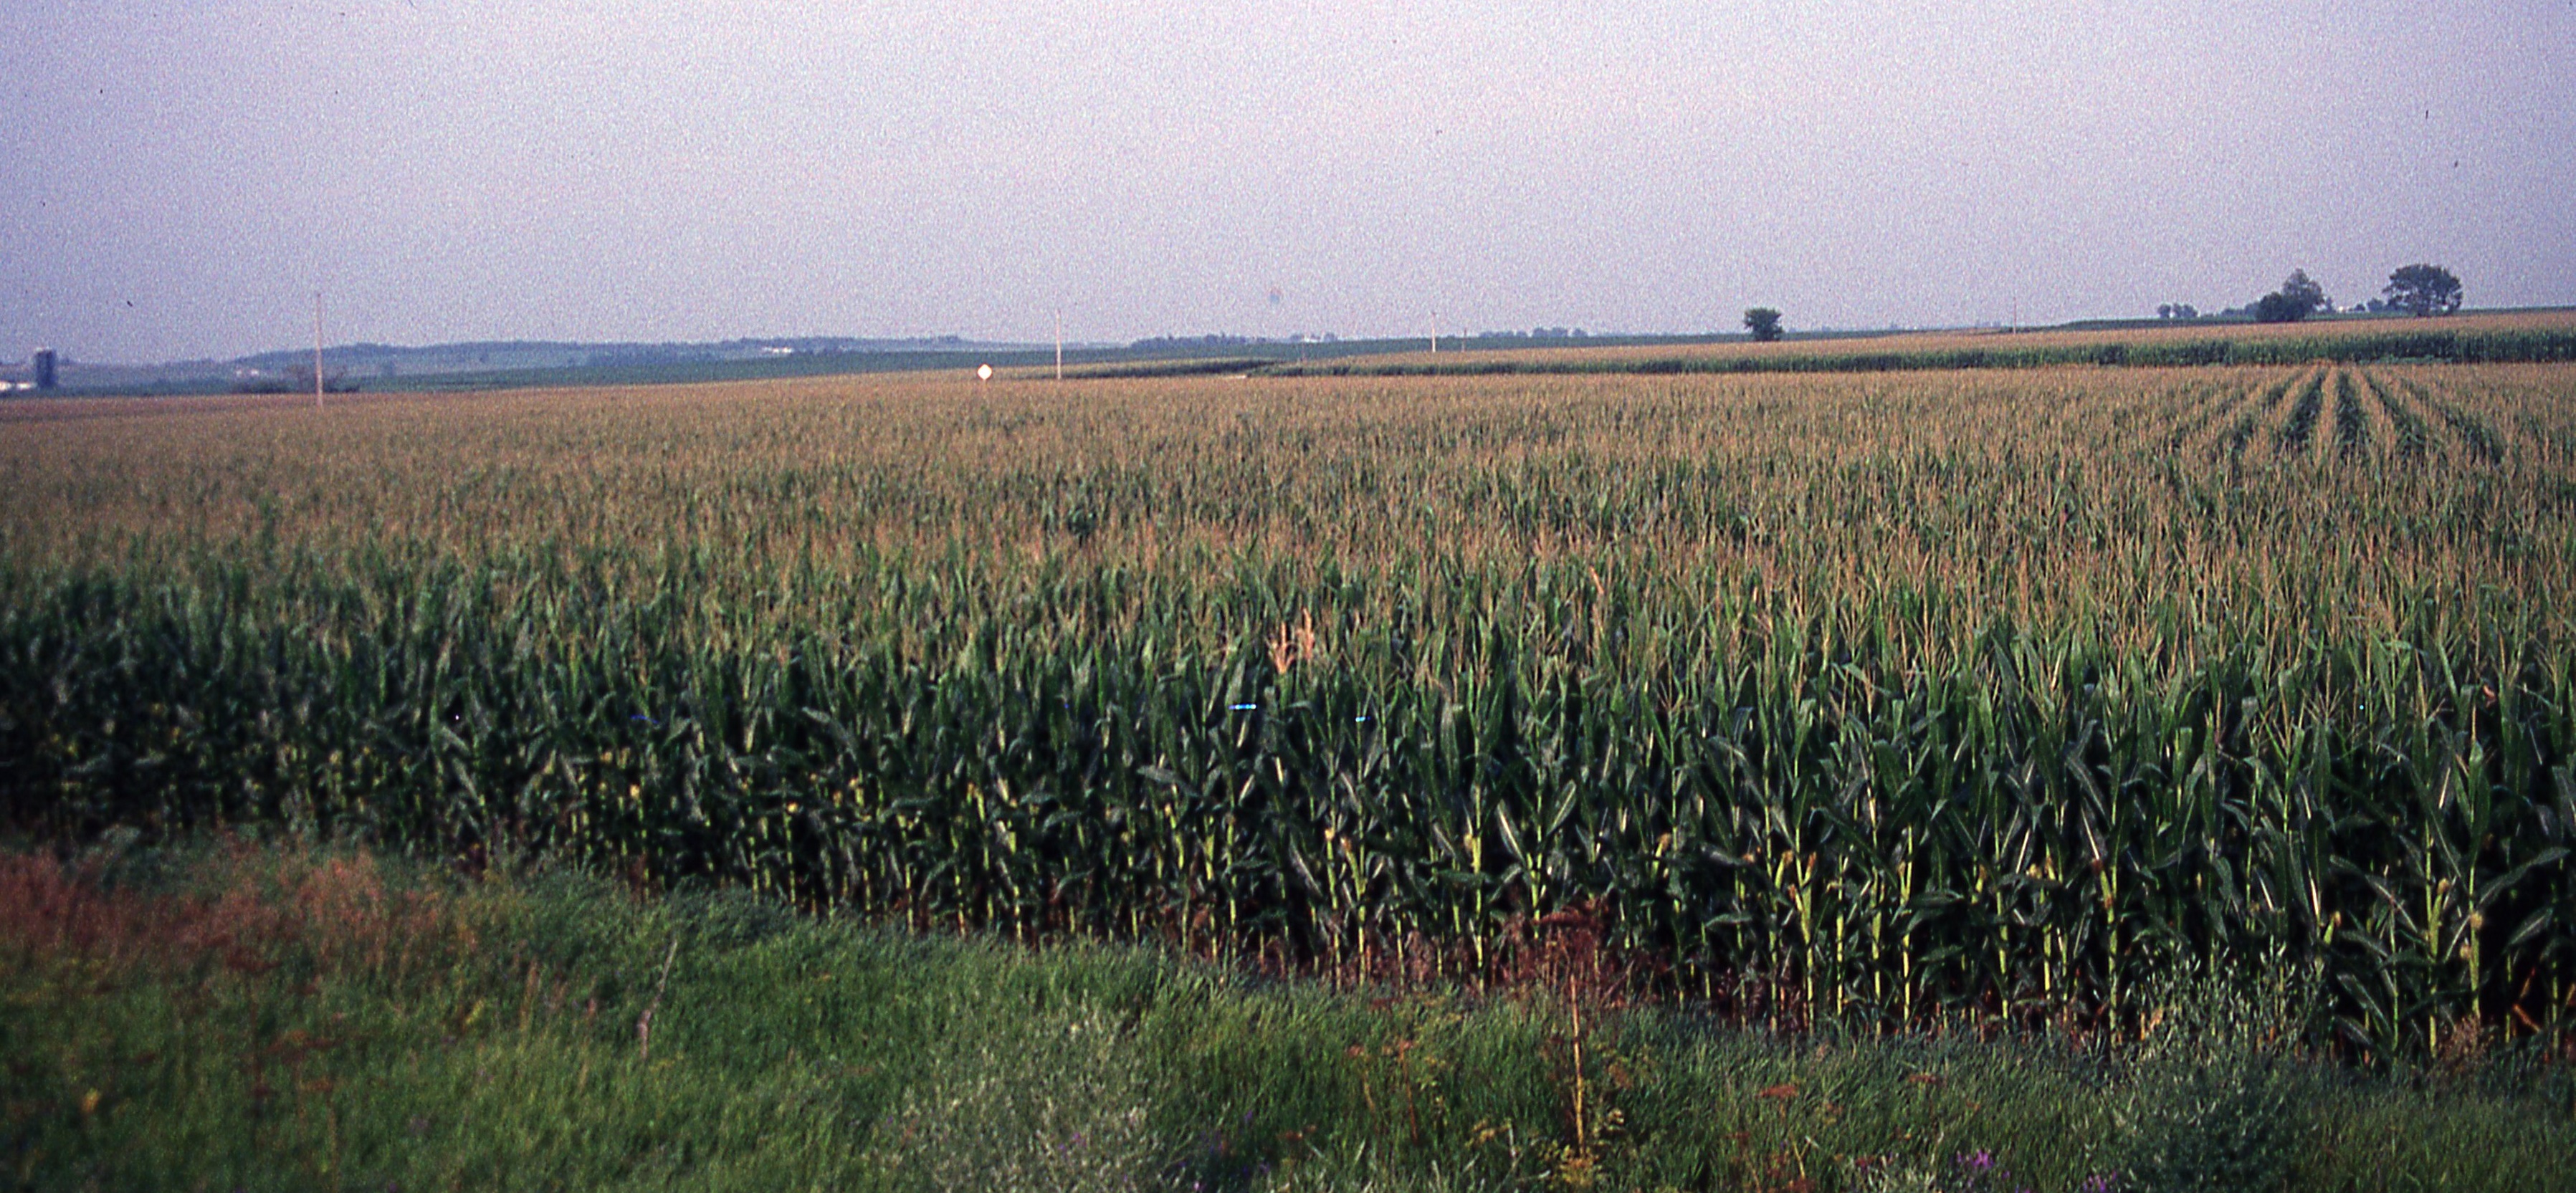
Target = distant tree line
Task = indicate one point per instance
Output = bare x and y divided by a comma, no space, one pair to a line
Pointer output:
1172,343
294,379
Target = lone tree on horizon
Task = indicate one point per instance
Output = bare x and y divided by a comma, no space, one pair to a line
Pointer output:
2421,290
1763,322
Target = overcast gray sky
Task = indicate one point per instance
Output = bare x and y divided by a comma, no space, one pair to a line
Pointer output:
176,180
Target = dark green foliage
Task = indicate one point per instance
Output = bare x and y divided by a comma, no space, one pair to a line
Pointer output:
2422,290
2298,298
2279,308
1728,809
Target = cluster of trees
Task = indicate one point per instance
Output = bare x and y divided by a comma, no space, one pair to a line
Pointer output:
2299,297
1763,322
2419,289
2177,310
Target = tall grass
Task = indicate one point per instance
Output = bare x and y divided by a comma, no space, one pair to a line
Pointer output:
247,1016
1858,699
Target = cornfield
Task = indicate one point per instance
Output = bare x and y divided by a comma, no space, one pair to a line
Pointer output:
1879,696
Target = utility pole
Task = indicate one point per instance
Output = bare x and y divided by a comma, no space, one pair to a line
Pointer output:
317,350
1059,345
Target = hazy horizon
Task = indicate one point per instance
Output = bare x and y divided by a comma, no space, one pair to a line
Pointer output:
178,184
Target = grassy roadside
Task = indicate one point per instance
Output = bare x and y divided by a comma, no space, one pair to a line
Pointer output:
243,1016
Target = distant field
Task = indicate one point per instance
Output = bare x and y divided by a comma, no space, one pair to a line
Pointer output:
2501,337
1096,362
2498,337
1866,696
